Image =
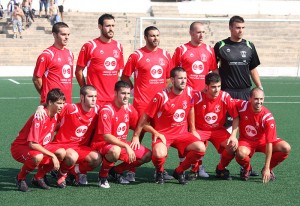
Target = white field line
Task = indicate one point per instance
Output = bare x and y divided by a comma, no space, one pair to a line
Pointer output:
13,81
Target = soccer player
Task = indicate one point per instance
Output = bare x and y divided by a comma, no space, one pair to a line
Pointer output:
238,60
211,107
77,122
198,59
103,58
151,66
168,112
54,67
30,146
257,130
110,138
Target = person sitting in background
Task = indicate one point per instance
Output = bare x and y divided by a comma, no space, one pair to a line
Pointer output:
53,12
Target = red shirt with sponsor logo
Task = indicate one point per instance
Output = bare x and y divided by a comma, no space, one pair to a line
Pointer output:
55,67
169,111
103,61
116,121
38,131
259,127
76,125
151,69
210,114
198,61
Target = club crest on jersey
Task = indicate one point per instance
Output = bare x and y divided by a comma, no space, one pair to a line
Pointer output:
243,53
37,125
116,54
203,58
126,117
161,62
217,108
184,104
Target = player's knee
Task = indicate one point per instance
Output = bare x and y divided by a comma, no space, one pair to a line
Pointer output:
159,151
38,158
71,157
114,153
60,154
286,148
94,158
241,153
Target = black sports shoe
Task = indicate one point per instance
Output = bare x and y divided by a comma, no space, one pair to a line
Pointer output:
117,177
22,185
192,176
223,174
245,175
40,183
180,177
54,174
159,178
253,173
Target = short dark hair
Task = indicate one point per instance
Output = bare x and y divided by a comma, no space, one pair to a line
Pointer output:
193,24
121,84
212,77
175,70
237,19
83,89
254,90
149,28
104,17
56,27
55,95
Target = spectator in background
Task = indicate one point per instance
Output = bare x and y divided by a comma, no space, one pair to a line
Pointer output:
53,12
60,4
17,17
43,3
26,7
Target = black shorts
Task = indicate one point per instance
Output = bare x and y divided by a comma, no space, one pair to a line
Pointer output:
61,8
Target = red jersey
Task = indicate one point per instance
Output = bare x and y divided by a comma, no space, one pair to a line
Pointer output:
103,61
169,111
55,67
198,61
115,121
151,69
38,131
210,114
259,127
76,125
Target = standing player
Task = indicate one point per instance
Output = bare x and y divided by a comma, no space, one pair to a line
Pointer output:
258,134
198,59
30,146
103,58
114,122
151,66
211,107
54,67
238,60
169,111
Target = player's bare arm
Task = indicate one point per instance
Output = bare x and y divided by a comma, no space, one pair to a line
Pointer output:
79,75
37,81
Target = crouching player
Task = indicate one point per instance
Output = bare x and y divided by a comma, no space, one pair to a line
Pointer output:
114,122
31,145
258,134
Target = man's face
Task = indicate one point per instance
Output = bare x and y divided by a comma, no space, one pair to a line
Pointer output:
197,34
62,37
237,30
213,89
152,39
179,82
89,100
57,106
107,30
257,100
123,96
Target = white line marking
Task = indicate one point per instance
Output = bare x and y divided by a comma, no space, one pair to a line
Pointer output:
13,81
281,102
282,96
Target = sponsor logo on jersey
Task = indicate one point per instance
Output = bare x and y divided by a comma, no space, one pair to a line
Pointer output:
211,118
66,71
156,71
80,131
110,63
47,139
250,131
121,129
179,115
197,67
